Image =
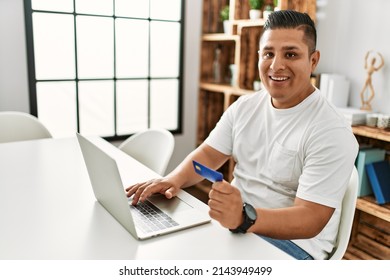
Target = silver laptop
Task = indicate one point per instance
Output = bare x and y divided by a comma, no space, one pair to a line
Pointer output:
157,215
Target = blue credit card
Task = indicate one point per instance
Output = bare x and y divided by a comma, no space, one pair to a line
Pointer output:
208,173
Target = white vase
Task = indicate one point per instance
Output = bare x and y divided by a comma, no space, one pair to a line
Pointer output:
266,14
227,27
254,14
233,72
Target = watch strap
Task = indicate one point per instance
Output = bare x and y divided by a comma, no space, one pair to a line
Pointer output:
247,222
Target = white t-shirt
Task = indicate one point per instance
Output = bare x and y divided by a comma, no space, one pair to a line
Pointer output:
306,151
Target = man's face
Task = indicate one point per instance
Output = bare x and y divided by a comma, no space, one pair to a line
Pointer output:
285,66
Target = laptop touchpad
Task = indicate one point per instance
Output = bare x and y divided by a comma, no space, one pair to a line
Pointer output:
172,205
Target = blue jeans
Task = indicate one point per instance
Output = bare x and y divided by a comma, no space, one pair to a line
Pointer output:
289,247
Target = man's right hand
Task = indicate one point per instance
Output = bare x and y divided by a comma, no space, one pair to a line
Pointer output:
142,191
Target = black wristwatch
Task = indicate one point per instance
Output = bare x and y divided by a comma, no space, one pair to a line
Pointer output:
250,216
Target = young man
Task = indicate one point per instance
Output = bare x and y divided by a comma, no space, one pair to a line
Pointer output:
294,152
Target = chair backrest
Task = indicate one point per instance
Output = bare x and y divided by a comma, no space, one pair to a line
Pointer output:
347,215
19,126
152,147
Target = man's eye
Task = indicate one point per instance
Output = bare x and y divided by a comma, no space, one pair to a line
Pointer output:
291,55
268,55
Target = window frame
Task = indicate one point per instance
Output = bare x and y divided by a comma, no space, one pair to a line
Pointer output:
32,81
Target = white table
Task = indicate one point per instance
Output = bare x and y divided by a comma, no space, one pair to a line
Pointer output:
48,211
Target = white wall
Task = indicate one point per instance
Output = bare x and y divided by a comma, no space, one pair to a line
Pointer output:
347,29
13,58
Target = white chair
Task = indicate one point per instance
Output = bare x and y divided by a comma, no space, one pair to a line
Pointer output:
347,215
19,126
152,147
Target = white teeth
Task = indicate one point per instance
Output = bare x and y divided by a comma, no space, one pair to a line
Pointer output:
279,78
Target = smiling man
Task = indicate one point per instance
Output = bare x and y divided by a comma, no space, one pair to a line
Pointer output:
294,152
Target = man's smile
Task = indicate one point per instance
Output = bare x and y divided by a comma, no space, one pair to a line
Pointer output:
278,79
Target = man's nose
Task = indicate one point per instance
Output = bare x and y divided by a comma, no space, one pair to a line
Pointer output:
277,63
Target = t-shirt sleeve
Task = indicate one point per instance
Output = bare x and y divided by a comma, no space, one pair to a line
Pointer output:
221,137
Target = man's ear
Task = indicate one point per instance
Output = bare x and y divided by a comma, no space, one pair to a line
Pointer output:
314,59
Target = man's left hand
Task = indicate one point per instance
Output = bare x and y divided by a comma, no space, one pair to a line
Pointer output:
226,205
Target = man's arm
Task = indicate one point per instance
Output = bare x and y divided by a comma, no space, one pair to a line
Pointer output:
304,219
182,176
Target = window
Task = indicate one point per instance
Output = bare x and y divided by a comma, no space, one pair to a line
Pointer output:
105,67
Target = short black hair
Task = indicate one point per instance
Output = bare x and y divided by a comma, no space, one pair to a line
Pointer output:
289,19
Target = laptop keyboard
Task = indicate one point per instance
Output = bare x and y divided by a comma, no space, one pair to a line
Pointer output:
149,218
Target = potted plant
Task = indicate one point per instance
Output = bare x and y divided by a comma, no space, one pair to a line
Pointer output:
224,17
255,8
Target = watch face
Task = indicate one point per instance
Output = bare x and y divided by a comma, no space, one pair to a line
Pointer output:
250,212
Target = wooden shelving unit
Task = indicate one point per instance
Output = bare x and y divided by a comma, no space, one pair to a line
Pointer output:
379,138
368,205
372,132
370,238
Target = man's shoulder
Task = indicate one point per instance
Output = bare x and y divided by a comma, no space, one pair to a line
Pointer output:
332,128
326,115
